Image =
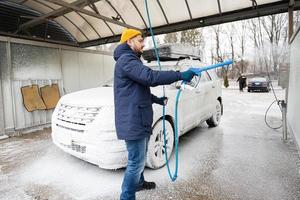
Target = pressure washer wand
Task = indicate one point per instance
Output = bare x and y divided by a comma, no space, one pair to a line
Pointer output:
198,70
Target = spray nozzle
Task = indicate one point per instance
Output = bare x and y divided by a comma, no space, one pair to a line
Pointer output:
197,70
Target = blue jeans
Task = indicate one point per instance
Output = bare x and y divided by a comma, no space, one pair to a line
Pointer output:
134,173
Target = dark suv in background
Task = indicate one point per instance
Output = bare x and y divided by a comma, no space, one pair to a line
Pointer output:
259,84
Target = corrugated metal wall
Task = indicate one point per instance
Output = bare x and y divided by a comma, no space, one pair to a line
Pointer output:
85,70
26,64
33,65
293,103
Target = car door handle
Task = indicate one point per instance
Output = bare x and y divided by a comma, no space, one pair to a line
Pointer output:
213,86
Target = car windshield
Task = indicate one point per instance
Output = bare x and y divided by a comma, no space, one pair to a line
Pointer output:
259,80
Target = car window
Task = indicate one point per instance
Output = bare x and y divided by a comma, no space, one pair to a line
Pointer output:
258,80
213,75
205,77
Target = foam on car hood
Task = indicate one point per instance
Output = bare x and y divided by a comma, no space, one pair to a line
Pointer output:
100,96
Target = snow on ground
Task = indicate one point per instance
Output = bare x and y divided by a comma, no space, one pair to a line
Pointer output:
240,159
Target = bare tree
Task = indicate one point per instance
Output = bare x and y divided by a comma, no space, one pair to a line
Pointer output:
254,35
260,52
275,26
219,54
242,44
230,32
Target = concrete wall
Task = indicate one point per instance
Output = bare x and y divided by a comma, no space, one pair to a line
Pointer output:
25,62
293,101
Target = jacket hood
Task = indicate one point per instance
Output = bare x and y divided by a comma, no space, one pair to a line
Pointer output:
122,49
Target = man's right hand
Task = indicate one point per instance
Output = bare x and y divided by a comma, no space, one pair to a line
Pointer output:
187,75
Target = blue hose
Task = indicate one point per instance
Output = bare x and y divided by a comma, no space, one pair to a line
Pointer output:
172,177
197,70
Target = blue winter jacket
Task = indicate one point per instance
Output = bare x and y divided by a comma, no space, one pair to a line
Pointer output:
132,96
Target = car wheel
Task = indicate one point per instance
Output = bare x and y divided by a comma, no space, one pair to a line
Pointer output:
249,90
156,151
216,118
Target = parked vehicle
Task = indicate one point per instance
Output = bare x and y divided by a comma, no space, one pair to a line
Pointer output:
259,84
83,121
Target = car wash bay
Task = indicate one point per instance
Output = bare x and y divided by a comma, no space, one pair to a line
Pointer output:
240,159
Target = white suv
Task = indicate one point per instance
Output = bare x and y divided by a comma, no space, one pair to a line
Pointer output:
83,121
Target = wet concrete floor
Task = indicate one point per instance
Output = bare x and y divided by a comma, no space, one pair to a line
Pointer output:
240,159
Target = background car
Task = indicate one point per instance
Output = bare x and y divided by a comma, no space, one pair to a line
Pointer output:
259,84
83,122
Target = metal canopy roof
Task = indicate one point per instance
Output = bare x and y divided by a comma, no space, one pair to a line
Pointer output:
94,22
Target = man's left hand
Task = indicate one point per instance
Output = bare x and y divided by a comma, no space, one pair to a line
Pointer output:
163,101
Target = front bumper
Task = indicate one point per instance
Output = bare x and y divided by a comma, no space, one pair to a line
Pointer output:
100,150
258,88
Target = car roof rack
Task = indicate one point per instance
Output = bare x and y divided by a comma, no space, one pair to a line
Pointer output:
169,52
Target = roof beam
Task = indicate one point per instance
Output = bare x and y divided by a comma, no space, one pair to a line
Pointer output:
132,2
80,30
46,5
246,13
89,24
38,39
75,8
189,10
95,9
162,10
54,14
254,4
219,6
110,4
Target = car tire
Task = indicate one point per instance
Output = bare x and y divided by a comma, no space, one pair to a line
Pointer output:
216,117
156,152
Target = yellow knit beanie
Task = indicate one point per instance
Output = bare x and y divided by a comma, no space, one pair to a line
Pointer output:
128,34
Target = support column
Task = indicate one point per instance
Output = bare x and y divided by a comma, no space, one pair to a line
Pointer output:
291,18
2,130
3,64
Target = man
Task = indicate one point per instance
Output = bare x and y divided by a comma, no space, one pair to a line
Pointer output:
133,106
242,82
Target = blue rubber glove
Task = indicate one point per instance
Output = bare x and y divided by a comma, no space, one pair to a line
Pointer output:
187,75
163,101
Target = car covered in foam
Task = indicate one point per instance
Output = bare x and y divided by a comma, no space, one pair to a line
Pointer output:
83,121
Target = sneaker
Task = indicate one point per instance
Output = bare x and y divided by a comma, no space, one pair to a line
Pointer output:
146,186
